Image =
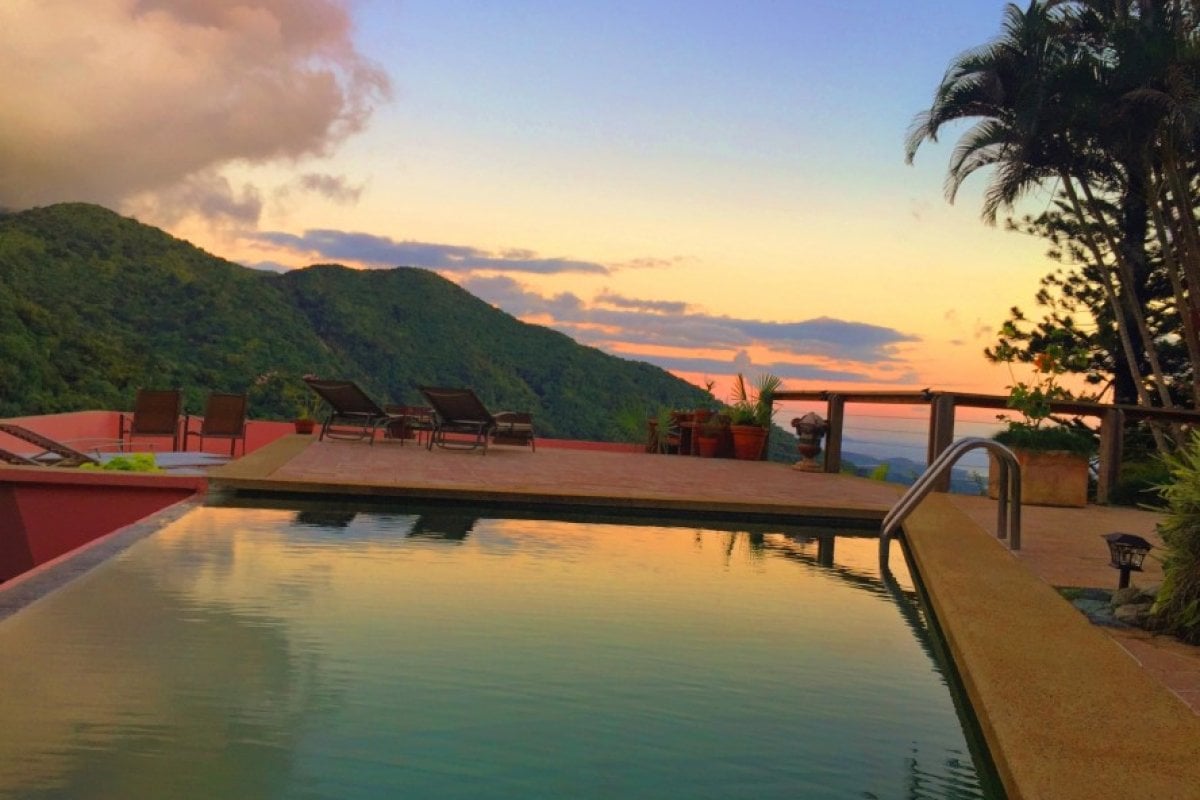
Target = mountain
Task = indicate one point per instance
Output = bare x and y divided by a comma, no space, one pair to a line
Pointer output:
94,305
905,471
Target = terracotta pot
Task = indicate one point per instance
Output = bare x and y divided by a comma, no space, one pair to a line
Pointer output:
1048,477
748,441
304,426
707,446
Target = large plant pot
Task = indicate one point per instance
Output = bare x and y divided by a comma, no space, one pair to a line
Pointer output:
707,446
304,426
748,441
1048,477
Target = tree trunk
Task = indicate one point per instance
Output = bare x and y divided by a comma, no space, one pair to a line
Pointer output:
1110,293
1133,301
1185,298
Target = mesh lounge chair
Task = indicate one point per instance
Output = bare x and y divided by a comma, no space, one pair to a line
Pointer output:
459,411
224,418
9,457
156,412
53,453
353,415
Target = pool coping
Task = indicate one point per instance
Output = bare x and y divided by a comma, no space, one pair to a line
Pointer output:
1066,712
34,584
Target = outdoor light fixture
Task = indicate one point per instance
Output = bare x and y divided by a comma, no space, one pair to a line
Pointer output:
810,429
1127,552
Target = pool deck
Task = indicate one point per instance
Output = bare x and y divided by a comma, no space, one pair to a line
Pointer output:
1069,709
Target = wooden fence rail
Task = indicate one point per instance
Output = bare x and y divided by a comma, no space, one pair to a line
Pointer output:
942,406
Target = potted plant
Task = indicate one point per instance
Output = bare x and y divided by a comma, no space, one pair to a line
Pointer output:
308,408
750,415
1053,454
709,434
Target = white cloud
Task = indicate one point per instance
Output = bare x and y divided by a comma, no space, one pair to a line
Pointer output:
109,99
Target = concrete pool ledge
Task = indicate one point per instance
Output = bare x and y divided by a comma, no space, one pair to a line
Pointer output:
1066,712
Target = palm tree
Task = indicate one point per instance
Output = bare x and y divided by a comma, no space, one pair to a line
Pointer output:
1051,97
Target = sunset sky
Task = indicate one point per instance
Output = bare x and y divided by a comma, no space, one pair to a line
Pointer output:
710,187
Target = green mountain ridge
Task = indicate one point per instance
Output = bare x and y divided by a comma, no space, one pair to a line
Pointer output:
94,305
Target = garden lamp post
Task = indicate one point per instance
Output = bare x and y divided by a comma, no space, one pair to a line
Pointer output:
810,429
1127,552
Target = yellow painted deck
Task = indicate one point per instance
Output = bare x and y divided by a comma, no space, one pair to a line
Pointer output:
1070,710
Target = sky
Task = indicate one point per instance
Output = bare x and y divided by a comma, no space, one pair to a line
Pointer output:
712,187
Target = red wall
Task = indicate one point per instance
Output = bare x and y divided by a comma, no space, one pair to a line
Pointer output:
92,430
46,512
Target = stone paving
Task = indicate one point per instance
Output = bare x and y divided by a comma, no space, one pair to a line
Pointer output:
1062,546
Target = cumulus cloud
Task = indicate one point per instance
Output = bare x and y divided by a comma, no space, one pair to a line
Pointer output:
114,99
670,324
332,187
207,194
382,251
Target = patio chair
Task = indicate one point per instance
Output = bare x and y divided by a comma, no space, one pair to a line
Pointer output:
156,413
54,453
353,415
224,418
461,412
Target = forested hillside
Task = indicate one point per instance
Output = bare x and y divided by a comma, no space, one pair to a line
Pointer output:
94,305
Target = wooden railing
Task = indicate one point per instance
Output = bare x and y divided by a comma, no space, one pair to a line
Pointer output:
942,406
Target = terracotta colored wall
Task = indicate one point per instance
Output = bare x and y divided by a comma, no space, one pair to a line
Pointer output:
85,430
89,430
45,513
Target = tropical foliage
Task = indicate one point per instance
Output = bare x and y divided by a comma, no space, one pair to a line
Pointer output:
1033,400
1097,102
94,306
753,406
1177,607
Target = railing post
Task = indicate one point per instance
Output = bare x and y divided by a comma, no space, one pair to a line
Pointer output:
1112,436
941,434
835,416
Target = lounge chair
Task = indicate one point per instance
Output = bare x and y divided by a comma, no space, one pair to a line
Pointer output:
224,418
353,415
156,412
53,453
9,457
459,411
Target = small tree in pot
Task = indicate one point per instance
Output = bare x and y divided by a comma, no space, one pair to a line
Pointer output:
1053,454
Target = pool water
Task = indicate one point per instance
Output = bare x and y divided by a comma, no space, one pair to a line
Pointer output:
275,653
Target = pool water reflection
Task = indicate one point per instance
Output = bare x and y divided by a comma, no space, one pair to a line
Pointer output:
333,653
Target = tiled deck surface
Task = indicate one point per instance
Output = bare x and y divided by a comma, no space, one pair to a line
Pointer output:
1043,690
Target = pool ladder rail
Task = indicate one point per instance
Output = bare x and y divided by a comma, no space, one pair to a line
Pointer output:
1008,521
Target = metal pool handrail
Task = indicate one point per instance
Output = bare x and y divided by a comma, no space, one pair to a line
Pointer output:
1008,521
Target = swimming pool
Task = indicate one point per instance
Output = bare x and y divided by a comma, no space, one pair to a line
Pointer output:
455,652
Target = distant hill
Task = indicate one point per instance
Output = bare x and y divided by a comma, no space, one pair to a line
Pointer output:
905,471
94,305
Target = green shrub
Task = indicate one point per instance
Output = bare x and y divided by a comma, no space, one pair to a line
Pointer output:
1177,607
1140,483
134,462
1058,437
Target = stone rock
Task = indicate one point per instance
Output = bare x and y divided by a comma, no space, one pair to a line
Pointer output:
1091,607
1150,593
1134,614
1125,596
